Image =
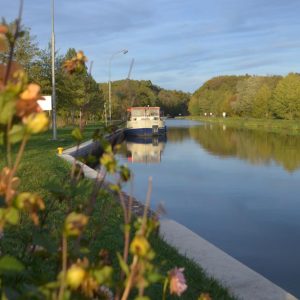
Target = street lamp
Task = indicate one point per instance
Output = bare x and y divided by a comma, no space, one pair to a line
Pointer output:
124,51
53,77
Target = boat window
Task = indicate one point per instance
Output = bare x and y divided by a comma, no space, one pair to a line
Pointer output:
137,113
153,112
145,112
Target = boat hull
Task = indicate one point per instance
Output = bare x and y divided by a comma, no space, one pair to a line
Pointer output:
145,131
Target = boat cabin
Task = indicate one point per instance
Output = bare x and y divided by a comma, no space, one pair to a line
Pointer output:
143,113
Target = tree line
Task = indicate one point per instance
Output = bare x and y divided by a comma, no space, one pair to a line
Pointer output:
127,93
79,97
249,96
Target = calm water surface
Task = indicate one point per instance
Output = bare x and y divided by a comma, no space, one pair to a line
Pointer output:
239,189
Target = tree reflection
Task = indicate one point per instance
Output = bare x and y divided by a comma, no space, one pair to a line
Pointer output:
255,146
178,134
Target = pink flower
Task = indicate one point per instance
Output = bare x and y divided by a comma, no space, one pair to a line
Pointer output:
177,281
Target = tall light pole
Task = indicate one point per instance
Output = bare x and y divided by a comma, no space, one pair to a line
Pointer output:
124,51
54,137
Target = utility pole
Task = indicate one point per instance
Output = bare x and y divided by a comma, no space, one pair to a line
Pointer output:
91,67
124,51
54,137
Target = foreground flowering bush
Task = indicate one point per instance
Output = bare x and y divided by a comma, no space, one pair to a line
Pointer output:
77,276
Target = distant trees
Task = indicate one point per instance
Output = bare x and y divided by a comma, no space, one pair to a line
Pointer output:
215,96
173,103
26,49
126,93
246,92
79,94
286,98
249,96
261,102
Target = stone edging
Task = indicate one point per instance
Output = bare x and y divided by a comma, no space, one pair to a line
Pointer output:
241,281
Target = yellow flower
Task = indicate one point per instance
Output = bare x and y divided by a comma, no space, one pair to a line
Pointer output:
81,57
27,103
31,93
89,287
204,296
75,223
77,63
75,276
32,203
36,123
139,246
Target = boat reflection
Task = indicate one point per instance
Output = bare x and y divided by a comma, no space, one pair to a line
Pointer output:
145,149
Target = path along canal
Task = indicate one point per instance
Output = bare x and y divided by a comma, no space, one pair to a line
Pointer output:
237,188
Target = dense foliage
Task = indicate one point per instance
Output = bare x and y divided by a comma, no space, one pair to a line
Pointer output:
249,96
126,93
78,97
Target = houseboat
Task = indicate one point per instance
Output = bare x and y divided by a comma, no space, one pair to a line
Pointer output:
145,121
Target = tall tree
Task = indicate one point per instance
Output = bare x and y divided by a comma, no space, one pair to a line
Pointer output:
246,92
26,49
286,100
261,103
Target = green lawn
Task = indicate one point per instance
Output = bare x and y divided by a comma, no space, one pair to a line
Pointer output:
270,125
40,166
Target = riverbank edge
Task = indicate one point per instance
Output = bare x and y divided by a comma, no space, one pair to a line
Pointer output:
270,125
241,281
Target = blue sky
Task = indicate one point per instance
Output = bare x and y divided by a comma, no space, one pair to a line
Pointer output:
177,44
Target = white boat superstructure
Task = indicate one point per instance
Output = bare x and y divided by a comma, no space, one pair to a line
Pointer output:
145,121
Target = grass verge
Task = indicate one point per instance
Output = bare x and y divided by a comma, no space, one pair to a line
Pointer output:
270,125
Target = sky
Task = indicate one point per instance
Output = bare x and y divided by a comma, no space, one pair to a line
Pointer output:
177,44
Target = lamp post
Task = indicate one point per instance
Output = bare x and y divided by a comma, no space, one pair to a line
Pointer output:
54,137
124,51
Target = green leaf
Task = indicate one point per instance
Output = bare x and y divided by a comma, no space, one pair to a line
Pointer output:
1,138
154,277
123,264
10,264
12,216
104,275
141,298
77,135
115,187
84,250
7,111
16,134
125,173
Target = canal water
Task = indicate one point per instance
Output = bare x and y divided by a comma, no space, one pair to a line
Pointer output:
239,189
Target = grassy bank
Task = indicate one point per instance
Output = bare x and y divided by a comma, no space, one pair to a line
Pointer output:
270,125
40,166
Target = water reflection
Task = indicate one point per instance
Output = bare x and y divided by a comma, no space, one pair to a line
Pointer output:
146,150
254,146
178,134
250,210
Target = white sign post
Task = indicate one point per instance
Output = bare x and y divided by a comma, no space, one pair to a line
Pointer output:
46,105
